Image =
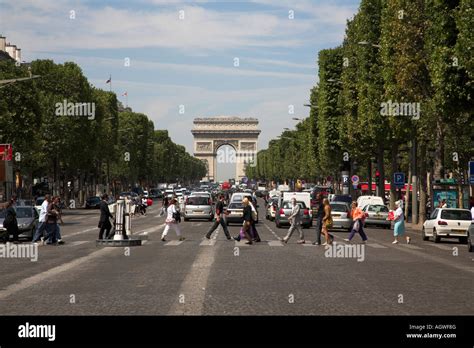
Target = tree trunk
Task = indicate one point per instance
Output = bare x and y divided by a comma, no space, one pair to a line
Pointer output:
438,169
393,191
422,177
380,168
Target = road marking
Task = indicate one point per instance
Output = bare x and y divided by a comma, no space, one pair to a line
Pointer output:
208,242
193,289
410,246
78,242
33,280
198,224
241,243
376,245
272,232
442,247
275,243
80,232
174,243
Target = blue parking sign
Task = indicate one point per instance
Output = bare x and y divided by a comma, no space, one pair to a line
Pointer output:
399,179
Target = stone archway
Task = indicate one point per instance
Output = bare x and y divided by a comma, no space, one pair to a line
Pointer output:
213,132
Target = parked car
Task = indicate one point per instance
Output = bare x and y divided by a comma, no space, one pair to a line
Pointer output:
27,217
470,238
377,215
146,194
198,207
156,194
341,198
234,213
284,211
93,202
362,201
130,194
340,212
447,223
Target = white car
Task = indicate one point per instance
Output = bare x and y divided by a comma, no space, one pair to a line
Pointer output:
447,223
362,201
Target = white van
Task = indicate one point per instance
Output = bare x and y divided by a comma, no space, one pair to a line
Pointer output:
362,201
300,196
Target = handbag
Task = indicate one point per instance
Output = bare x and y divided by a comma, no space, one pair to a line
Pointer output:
356,226
177,216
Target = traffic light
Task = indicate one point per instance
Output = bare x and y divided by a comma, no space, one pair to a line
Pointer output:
377,177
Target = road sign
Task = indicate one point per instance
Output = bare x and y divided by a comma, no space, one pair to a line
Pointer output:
355,179
399,180
471,172
245,179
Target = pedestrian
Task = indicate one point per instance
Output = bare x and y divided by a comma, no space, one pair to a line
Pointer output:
104,222
57,207
40,229
247,223
399,223
253,227
10,222
52,222
219,220
164,206
358,218
319,218
173,216
295,221
327,222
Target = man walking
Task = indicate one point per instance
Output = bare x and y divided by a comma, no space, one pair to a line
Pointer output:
219,220
42,220
104,222
295,220
319,219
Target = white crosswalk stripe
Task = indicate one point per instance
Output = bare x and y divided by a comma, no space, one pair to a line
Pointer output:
376,246
442,247
174,243
411,246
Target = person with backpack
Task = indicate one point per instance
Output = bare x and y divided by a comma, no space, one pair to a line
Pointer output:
172,219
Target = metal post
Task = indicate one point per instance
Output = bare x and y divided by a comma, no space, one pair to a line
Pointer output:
119,215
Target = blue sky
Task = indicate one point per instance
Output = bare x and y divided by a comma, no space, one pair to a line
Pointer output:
188,61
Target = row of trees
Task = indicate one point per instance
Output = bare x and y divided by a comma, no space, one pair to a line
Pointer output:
114,147
394,51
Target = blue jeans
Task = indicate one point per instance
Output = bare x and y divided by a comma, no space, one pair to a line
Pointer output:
51,233
39,231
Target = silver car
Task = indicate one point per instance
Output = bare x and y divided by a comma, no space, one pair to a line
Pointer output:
284,211
340,213
198,207
27,218
377,215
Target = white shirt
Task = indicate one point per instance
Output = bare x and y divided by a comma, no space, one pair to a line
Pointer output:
398,214
171,209
472,213
43,211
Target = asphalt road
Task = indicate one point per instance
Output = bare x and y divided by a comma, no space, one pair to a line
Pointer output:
220,277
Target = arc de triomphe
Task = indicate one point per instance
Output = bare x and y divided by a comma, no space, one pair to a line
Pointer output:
211,133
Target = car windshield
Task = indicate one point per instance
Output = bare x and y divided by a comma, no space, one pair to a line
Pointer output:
197,201
377,209
235,206
342,199
23,212
94,199
339,208
39,201
456,215
288,205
